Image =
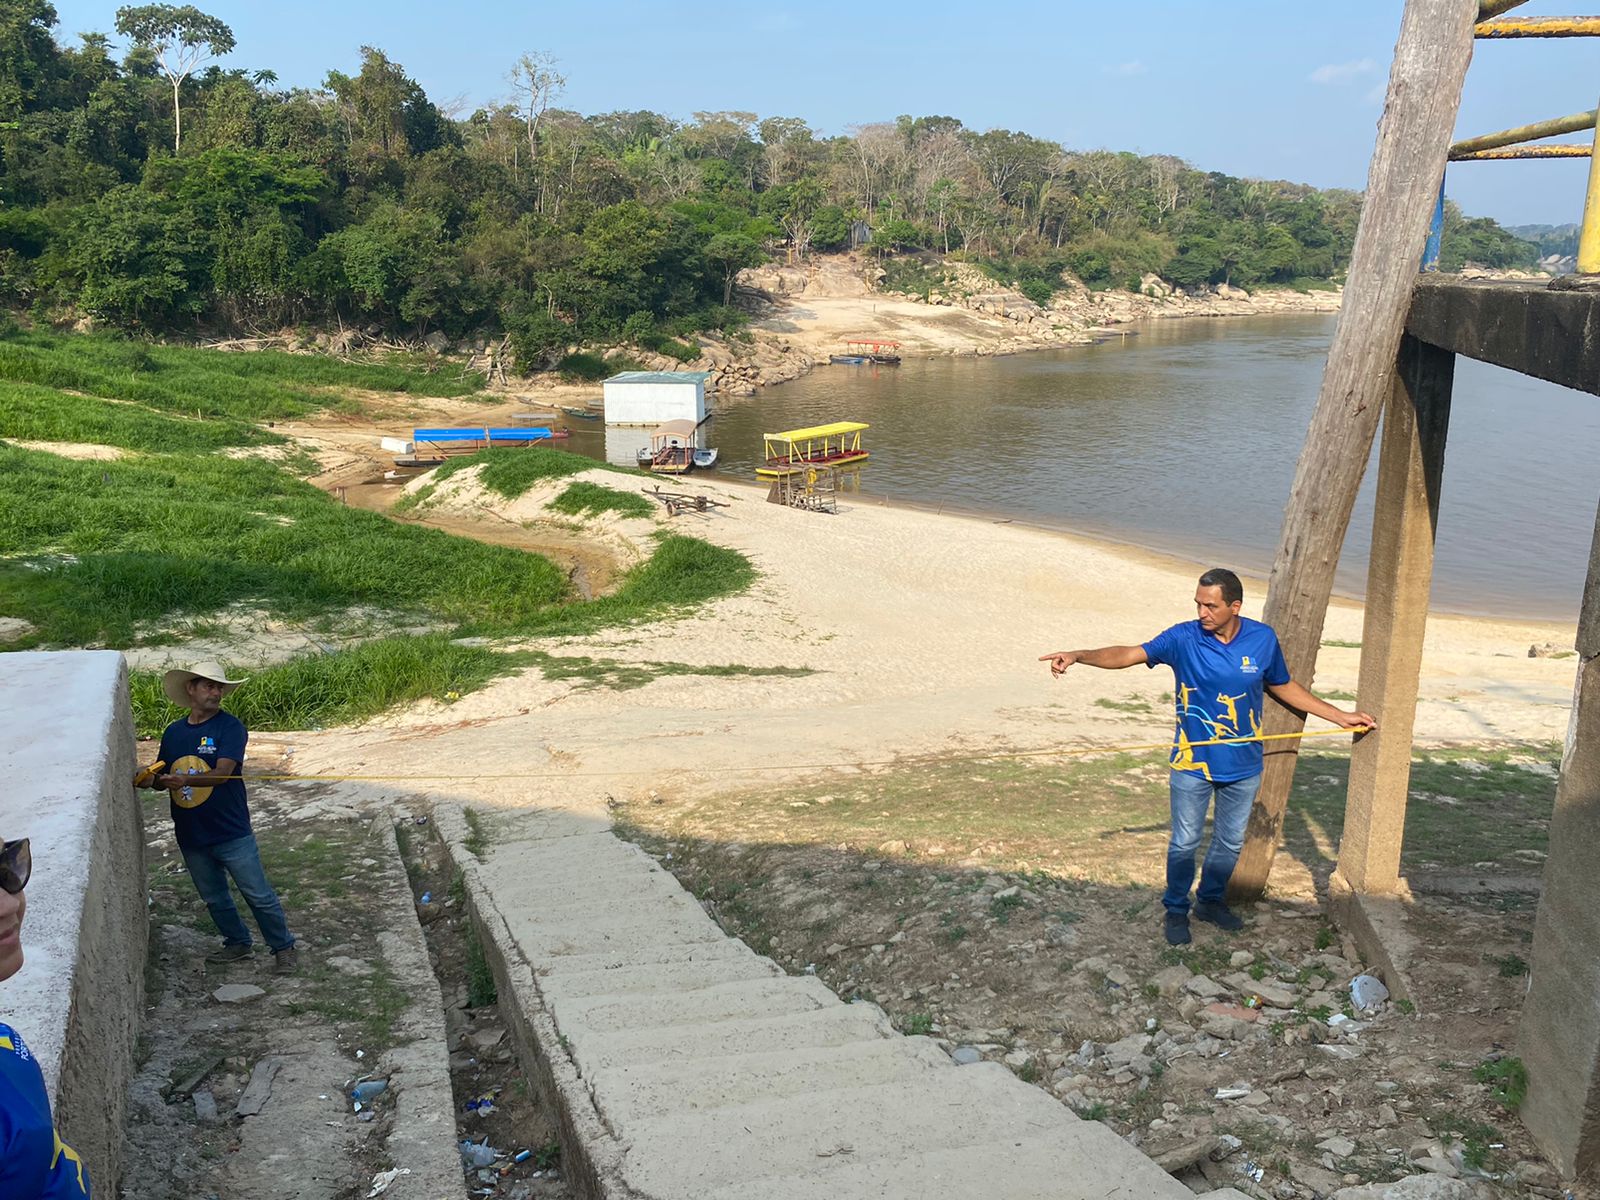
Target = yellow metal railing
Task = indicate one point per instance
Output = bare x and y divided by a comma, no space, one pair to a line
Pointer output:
1513,143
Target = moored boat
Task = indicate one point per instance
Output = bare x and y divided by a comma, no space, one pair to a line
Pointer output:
583,414
834,445
704,458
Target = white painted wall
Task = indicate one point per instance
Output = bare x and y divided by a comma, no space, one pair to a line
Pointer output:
653,403
67,761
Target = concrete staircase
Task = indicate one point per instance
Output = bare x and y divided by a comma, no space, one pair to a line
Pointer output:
691,1067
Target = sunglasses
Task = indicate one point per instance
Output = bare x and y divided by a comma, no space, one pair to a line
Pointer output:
16,864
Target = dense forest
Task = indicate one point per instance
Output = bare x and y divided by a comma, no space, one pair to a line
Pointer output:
146,184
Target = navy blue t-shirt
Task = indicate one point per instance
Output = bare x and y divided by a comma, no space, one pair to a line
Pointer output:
35,1164
1219,691
194,749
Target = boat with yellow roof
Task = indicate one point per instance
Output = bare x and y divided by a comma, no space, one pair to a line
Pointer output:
794,450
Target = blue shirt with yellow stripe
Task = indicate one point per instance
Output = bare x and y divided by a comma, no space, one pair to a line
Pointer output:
35,1164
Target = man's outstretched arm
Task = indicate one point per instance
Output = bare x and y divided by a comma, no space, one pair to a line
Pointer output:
1297,696
1112,658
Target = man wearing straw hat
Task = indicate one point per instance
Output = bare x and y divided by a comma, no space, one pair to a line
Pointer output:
204,757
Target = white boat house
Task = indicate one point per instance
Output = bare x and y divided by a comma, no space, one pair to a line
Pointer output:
654,397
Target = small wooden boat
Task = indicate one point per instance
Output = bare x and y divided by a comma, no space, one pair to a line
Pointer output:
672,448
705,458
867,352
583,414
797,450
849,360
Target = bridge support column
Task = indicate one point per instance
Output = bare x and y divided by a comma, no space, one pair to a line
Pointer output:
1559,1040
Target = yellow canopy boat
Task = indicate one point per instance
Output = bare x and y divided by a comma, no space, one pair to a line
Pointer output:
806,449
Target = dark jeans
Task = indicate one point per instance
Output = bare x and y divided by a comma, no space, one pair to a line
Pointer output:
210,866
1192,793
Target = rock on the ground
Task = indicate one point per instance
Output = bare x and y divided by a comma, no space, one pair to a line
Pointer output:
1414,1187
965,1056
237,993
1120,1054
1185,1155
1205,987
1170,980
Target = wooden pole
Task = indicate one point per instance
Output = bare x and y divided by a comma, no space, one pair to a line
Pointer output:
1430,63
1399,575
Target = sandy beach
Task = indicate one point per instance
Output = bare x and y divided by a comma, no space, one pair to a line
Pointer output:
921,633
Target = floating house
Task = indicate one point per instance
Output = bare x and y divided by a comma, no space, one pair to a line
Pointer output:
654,397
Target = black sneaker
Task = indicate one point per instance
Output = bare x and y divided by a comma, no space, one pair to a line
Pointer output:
230,952
1218,914
1177,929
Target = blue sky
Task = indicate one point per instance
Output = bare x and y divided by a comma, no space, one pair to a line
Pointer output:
1272,90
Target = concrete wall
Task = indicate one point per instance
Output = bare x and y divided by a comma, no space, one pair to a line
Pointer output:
67,759
652,404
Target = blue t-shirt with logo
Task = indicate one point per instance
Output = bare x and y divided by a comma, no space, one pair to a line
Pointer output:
197,819
1218,692
35,1164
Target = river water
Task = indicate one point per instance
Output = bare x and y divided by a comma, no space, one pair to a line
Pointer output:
1183,438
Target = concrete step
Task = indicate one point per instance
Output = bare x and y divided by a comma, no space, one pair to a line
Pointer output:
1067,1164
611,934
726,950
643,898
688,1154
580,1016
836,1026
632,1093
656,978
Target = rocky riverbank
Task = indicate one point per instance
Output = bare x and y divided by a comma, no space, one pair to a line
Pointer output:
807,312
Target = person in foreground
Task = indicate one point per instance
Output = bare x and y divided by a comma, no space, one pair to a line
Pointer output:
35,1164
204,753
1222,664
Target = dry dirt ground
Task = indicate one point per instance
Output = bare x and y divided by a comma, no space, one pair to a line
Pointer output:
309,1038
1014,911
833,803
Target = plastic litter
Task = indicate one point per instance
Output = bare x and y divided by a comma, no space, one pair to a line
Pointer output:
478,1155
1253,1170
422,820
522,1156
382,1180
427,898
1367,992
368,1089
1231,1093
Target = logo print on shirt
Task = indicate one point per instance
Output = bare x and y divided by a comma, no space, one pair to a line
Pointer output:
209,745
1248,667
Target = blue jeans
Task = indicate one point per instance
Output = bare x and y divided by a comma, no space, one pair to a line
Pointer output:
210,866
1192,794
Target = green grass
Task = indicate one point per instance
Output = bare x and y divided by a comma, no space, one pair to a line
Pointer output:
36,413
625,676
591,499
481,989
1507,1079
477,839
1127,706
123,543
339,688
257,387
509,472
1108,818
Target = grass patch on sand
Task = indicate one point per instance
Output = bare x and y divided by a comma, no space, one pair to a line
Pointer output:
35,413
98,549
511,472
591,499
340,688
595,673
1107,818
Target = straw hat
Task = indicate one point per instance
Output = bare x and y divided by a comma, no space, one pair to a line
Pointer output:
175,683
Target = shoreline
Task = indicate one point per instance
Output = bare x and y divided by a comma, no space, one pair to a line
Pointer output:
1144,554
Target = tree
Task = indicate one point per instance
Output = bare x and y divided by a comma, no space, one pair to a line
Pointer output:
731,253
181,37
535,82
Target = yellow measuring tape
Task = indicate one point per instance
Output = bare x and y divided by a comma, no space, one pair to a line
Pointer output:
1076,751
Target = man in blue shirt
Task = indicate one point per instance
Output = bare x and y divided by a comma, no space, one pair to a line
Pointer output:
35,1164
204,753
1222,664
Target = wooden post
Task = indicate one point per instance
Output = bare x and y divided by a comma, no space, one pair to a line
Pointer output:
1559,1039
1399,575
1430,62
